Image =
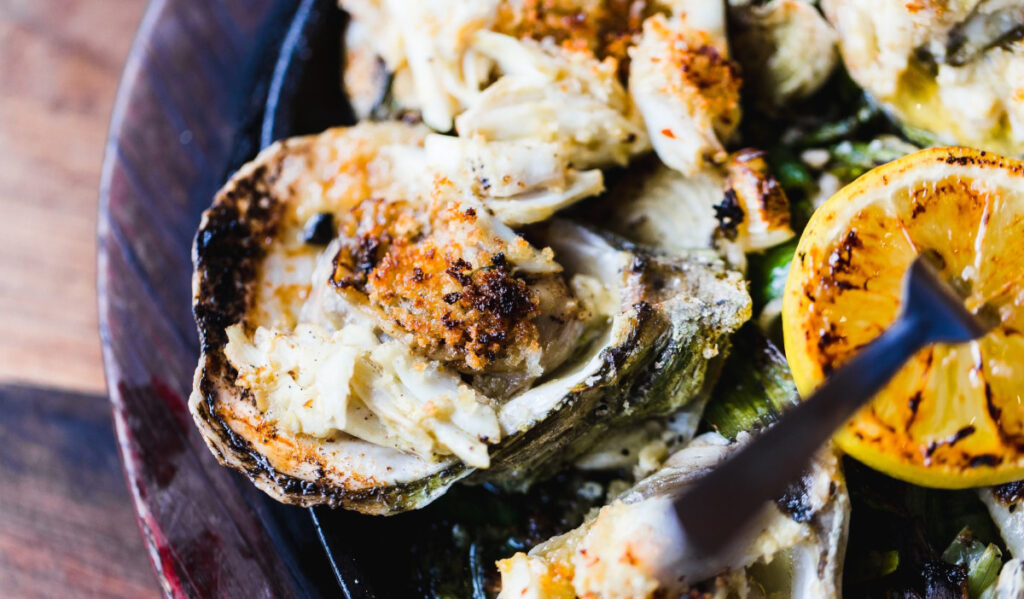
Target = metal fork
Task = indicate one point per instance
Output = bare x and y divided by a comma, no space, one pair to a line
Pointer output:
722,504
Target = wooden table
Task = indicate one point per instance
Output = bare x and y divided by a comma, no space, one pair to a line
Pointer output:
67,528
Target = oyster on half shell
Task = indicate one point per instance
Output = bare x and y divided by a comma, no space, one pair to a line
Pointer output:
633,547
372,332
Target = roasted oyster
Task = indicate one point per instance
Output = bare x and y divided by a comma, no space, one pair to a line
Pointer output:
632,549
686,87
950,72
603,80
415,339
786,48
629,550
736,208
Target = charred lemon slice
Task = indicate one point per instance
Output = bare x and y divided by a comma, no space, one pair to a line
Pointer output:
952,417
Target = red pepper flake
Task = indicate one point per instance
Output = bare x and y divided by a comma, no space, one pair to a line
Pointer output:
668,133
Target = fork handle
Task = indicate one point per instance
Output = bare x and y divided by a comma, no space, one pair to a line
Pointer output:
721,504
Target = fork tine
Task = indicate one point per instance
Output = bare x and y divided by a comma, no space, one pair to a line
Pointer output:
939,307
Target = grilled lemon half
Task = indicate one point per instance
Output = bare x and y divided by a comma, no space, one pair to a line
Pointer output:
952,417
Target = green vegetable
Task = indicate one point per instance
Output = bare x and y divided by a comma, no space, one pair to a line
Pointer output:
874,565
917,523
850,159
793,174
797,180
984,572
841,129
920,137
754,389
945,513
768,271
982,561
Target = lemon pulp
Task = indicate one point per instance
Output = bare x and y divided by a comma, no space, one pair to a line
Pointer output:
952,417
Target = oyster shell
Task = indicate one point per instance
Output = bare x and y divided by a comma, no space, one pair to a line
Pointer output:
630,549
605,333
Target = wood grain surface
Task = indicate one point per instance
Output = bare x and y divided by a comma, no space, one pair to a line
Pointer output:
67,528
59,65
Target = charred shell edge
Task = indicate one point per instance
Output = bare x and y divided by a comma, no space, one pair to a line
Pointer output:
231,241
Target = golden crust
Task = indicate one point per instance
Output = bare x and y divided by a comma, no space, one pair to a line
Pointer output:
416,270
605,28
710,81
